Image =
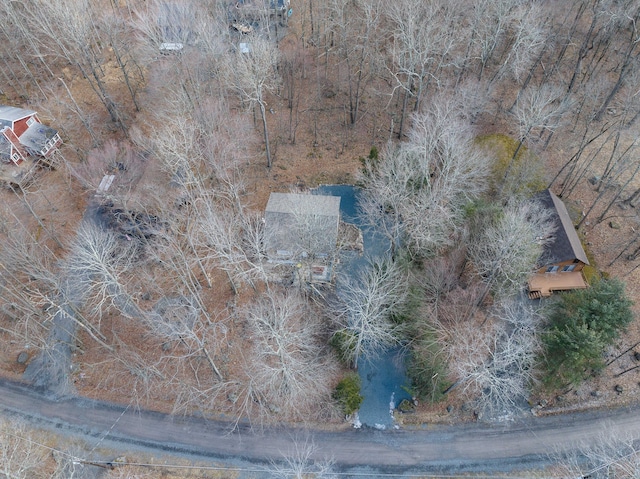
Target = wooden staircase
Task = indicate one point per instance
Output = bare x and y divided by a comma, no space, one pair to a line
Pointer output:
535,294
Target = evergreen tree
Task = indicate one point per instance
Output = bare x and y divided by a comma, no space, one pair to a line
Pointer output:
582,324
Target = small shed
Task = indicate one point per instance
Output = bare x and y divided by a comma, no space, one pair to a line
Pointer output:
561,264
301,225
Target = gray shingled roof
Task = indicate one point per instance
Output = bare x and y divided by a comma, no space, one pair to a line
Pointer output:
12,113
296,224
36,136
319,205
5,148
565,246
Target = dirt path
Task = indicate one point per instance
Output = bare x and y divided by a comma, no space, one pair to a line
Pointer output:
465,447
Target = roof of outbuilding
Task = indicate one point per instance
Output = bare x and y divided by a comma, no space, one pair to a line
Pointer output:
299,204
565,245
13,113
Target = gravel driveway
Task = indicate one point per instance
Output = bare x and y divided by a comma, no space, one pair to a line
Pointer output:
449,449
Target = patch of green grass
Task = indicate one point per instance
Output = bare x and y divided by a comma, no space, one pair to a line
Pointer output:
428,379
427,369
342,341
347,393
590,272
333,178
525,174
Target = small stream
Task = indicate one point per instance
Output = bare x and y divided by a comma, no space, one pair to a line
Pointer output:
382,378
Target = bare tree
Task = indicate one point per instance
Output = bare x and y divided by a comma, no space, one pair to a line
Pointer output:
68,30
494,363
612,454
575,167
529,34
86,117
194,139
21,456
28,274
208,225
294,67
34,285
365,308
619,16
300,462
160,22
253,74
175,143
619,172
136,374
288,371
354,29
96,266
233,239
421,187
118,158
119,34
537,110
507,248
442,274
489,21
180,319
423,45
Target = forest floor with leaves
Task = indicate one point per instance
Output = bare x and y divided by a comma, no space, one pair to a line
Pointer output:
328,153
315,160
310,162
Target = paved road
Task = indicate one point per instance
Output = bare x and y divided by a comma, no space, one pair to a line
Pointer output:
440,448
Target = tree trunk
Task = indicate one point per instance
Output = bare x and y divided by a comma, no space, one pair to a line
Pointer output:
405,102
568,39
581,53
513,158
213,365
573,178
617,195
621,77
529,76
81,116
125,74
265,131
632,198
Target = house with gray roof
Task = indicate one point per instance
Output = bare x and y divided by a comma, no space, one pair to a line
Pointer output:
299,226
560,266
23,135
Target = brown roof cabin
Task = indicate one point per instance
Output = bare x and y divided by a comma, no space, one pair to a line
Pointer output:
563,259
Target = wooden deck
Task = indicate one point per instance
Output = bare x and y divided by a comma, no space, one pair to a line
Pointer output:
22,174
543,284
18,175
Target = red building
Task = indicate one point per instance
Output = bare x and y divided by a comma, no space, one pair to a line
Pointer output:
22,135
